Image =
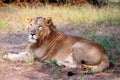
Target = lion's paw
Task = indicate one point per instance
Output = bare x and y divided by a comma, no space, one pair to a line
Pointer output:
16,57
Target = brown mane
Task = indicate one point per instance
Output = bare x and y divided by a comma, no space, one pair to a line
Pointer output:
46,32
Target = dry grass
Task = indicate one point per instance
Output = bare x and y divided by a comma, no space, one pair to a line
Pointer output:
13,16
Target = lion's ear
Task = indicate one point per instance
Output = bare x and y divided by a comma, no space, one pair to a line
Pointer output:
28,19
48,21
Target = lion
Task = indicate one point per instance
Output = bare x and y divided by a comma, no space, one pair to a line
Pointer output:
47,43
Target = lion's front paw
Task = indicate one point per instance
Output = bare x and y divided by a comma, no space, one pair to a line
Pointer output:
23,56
10,56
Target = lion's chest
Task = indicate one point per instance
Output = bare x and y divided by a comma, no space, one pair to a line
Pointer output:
39,52
55,51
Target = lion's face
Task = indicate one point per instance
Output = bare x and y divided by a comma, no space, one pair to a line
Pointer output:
38,28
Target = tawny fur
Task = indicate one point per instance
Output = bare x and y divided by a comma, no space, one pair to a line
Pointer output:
71,51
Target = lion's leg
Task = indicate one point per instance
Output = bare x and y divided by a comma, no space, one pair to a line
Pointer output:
74,59
79,55
23,56
98,67
90,62
68,62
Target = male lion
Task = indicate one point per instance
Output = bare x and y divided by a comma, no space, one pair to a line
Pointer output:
46,43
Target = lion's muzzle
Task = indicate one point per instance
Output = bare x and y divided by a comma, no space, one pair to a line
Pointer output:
32,37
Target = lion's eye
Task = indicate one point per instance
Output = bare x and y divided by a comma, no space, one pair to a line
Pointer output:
40,27
31,26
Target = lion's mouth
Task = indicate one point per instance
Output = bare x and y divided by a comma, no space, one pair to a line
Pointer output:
32,38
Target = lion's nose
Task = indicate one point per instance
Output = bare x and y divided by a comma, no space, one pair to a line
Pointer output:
32,34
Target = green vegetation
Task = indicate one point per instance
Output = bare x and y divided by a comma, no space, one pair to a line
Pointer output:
51,62
32,63
58,71
89,70
57,68
4,25
81,78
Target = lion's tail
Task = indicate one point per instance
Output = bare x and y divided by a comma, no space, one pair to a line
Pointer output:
100,67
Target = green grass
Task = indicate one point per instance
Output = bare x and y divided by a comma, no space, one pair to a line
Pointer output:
15,16
4,25
58,69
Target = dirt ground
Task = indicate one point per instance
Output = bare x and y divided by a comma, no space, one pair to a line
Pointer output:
16,41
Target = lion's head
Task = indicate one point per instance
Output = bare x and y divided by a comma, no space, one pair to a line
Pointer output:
39,28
